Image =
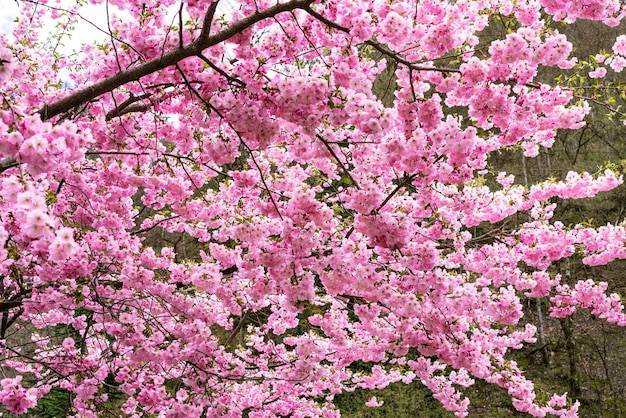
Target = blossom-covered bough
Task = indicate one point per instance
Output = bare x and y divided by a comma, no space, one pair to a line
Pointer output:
309,227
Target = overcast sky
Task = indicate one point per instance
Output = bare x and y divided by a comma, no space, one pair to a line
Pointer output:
95,14
8,11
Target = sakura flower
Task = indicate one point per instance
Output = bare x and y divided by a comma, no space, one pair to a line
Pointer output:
598,72
374,403
620,45
63,245
36,224
14,397
29,200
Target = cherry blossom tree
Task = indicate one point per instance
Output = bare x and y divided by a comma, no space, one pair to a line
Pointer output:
328,230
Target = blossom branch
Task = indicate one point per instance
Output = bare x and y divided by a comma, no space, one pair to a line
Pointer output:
171,58
380,48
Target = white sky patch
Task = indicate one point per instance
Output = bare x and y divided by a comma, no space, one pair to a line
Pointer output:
8,12
91,27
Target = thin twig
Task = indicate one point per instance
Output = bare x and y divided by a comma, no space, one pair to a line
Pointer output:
227,76
332,152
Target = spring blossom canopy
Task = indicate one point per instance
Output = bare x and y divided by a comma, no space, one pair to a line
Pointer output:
221,218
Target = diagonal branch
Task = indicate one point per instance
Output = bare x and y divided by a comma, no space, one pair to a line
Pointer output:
332,152
405,181
230,78
208,20
134,108
171,58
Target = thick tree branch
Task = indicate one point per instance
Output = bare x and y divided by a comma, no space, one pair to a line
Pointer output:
195,48
208,20
10,304
8,321
7,163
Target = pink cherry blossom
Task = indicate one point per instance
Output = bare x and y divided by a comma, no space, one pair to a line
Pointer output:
226,202
598,72
14,397
620,45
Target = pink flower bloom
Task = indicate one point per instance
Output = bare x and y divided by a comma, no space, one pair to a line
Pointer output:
598,72
617,63
374,403
294,216
14,397
29,200
619,47
37,222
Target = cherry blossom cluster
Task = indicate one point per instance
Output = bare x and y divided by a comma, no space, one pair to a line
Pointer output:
230,217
